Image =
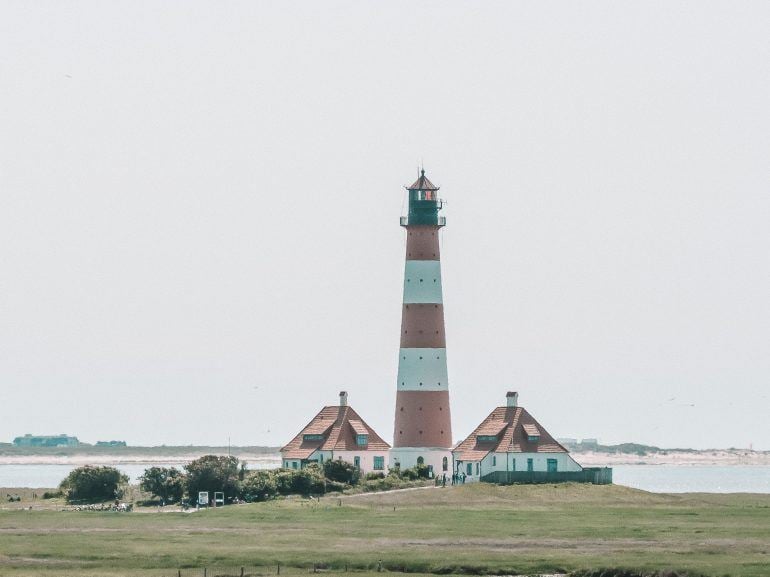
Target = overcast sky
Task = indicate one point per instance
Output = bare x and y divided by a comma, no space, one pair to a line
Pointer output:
199,209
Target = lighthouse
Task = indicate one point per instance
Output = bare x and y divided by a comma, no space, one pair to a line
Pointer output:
423,425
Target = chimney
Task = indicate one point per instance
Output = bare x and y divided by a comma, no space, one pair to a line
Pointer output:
343,398
512,399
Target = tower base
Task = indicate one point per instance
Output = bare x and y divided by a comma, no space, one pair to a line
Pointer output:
438,459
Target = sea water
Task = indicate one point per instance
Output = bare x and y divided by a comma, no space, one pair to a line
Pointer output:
48,476
655,478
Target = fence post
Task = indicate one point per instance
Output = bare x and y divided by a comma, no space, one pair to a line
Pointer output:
179,573
241,571
279,568
205,571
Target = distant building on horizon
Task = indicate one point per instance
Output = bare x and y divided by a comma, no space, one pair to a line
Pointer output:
62,440
110,443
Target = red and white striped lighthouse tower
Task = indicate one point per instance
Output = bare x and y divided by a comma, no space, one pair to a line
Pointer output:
423,424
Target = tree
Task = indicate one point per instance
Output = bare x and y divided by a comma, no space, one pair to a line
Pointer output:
91,483
259,486
165,483
342,472
213,473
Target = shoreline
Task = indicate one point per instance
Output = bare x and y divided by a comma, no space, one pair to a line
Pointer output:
587,459
139,459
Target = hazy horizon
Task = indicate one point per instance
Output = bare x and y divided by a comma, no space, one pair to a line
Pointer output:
199,230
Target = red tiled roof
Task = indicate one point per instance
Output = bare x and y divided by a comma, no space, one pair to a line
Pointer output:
422,183
335,423
531,430
511,438
358,427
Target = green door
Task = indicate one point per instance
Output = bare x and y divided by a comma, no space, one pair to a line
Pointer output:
530,465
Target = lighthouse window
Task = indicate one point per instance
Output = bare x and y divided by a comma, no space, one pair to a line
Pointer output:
402,409
420,280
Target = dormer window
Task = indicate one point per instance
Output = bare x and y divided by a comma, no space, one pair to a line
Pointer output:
362,440
313,437
532,432
486,438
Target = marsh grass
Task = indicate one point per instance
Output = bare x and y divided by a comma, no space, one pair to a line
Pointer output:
473,529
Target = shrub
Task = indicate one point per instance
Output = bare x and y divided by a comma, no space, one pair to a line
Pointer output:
93,484
309,481
52,494
213,473
335,486
163,482
342,472
259,486
373,476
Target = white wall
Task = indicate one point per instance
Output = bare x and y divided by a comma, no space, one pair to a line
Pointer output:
407,457
505,462
367,459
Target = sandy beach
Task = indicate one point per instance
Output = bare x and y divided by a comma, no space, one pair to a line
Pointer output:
703,458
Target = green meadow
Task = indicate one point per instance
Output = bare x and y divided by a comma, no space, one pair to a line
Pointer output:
469,529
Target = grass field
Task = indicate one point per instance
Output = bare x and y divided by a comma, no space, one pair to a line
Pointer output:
481,528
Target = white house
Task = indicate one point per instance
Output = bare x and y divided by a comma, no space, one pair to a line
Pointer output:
510,439
337,432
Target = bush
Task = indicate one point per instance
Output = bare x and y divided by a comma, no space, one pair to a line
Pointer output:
342,472
374,476
164,483
93,484
309,481
213,473
52,494
336,486
259,486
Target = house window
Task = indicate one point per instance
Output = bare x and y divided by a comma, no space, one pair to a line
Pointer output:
379,463
357,462
313,437
486,438
321,457
362,440
294,464
477,467
469,468
445,464
420,460
530,465
513,464
533,438
553,465
494,460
